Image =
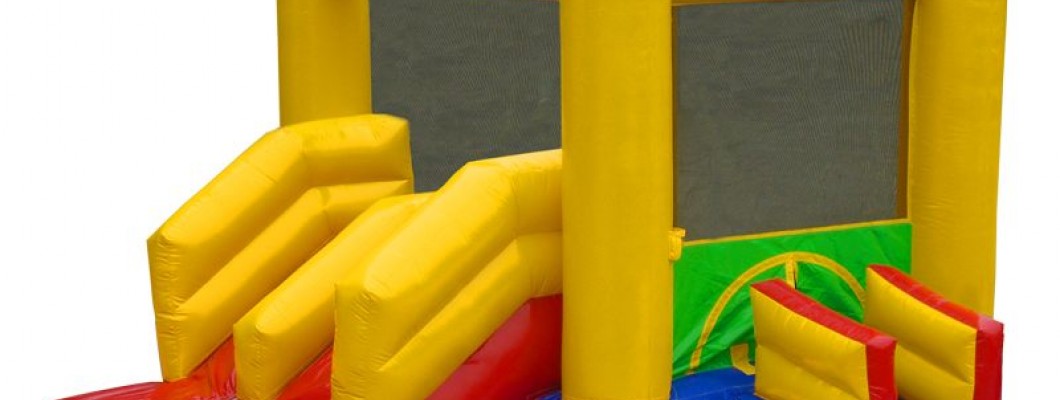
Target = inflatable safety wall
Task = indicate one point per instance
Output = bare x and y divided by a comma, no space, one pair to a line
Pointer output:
806,351
945,350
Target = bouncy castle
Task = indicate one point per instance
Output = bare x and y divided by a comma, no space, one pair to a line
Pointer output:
601,200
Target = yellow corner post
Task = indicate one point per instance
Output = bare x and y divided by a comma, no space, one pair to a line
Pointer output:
956,62
617,198
325,59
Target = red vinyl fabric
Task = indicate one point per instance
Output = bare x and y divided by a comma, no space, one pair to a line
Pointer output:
142,391
213,380
521,360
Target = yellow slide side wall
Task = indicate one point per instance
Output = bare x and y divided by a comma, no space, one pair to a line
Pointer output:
291,326
616,66
799,359
452,274
259,219
935,358
325,59
956,61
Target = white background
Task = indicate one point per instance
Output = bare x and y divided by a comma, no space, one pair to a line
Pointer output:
112,113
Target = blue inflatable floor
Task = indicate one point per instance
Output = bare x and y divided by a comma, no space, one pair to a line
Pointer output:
724,384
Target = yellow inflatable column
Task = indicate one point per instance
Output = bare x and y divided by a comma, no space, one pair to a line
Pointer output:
617,198
325,59
956,60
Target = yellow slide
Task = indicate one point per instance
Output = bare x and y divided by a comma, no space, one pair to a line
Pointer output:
260,219
257,254
427,298
292,325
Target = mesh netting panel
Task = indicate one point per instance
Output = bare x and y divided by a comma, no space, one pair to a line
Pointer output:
475,78
787,115
787,112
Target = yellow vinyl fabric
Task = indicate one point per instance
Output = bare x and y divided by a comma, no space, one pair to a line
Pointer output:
325,59
262,217
430,295
955,77
291,326
936,353
681,3
800,358
617,91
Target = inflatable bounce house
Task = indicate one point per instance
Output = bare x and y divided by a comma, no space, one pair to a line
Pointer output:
601,200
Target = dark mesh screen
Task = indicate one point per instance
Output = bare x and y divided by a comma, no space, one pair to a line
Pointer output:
787,114
475,78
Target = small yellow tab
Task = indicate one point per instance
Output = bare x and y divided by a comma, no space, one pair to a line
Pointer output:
741,358
791,271
677,236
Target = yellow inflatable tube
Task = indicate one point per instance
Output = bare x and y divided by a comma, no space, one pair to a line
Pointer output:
618,225
474,252
287,330
261,218
325,59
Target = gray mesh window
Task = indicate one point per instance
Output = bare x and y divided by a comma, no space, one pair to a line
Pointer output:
787,112
787,115
475,78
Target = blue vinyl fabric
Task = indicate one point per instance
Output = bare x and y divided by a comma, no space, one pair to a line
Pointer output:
722,384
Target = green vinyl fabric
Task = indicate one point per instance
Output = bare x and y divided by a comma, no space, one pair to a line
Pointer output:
706,270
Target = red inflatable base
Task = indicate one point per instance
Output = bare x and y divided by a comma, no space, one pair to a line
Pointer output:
520,360
215,379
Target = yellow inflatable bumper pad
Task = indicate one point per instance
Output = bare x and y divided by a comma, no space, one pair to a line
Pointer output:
807,351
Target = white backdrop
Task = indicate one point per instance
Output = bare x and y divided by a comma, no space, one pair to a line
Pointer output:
113,112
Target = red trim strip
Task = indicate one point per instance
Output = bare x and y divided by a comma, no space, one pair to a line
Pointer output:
927,296
879,359
989,336
801,304
989,340
879,348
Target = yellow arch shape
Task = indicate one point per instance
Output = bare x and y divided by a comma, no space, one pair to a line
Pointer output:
790,261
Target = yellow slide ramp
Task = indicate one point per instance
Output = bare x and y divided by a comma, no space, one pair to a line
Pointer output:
260,219
256,255
459,262
429,296
291,326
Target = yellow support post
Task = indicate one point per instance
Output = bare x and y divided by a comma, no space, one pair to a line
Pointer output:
617,87
956,62
325,59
